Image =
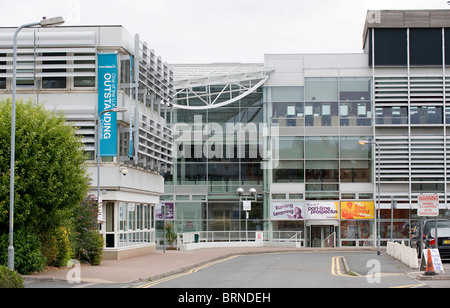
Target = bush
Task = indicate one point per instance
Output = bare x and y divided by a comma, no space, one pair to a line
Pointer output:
89,242
27,252
171,236
10,279
56,247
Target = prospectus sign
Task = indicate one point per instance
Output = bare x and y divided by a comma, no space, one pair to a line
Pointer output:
107,99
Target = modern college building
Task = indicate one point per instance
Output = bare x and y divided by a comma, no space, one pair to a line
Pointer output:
288,128
304,115
83,71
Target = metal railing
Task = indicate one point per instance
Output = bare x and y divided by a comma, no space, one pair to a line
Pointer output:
330,241
239,236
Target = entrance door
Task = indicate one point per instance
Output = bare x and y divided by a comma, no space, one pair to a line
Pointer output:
319,234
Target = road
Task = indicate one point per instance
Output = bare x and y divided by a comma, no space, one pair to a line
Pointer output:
294,270
313,269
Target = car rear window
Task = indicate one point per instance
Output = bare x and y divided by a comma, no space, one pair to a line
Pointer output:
442,232
431,224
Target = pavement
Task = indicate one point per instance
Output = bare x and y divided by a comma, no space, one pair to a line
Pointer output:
161,264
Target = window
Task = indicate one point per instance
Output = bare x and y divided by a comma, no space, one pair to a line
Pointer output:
391,115
3,71
322,171
425,46
287,105
56,78
224,172
289,172
427,187
288,114
84,66
354,89
125,73
25,70
390,47
321,114
191,174
290,147
354,171
350,148
278,196
321,89
251,173
321,147
136,224
426,115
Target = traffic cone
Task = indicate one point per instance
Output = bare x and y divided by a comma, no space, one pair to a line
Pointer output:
429,270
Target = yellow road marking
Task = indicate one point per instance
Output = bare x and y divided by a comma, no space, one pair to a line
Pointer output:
336,267
335,271
408,286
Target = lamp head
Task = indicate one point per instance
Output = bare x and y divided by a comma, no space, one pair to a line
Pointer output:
120,109
363,142
50,22
240,191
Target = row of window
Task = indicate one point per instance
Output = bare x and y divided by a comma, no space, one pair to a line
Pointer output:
425,46
283,148
295,171
322,114
55,68
327,114
55,72
134,226
319,172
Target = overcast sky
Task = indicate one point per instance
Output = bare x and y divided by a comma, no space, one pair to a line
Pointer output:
205,31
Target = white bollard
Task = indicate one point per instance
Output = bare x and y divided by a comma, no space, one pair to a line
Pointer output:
403,253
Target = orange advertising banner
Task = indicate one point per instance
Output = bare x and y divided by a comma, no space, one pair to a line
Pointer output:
357,210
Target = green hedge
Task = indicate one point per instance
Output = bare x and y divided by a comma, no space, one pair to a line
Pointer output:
10,279
27,252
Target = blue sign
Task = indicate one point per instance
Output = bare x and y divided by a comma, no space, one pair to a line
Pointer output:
107,99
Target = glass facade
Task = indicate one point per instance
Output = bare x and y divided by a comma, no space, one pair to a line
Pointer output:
321,181
323,102
217,151
213,162
128,224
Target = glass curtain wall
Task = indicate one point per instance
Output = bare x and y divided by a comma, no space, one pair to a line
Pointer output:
218,151
322,162
323,102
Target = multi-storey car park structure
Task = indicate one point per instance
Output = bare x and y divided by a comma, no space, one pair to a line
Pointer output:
288,128
61,67
315,108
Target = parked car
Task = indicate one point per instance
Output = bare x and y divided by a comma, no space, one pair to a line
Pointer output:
427,225
443,241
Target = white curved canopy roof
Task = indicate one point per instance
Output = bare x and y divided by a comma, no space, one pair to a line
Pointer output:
217,84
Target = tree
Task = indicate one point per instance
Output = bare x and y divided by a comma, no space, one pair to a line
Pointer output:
50,169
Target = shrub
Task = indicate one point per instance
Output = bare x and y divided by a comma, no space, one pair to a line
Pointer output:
27,252
56,247
10,279
51,170
89,242
171,236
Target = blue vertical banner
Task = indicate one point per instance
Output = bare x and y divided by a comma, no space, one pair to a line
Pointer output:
107,99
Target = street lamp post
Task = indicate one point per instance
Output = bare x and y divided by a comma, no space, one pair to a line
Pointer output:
363,142
240,193
43,23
